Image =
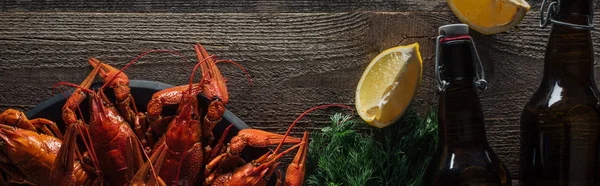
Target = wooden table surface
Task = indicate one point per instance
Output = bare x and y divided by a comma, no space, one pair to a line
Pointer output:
299,53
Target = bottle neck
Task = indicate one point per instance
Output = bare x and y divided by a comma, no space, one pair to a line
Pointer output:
569,54
460,116
570,7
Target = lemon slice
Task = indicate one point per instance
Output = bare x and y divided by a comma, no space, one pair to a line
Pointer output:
489,16
388,85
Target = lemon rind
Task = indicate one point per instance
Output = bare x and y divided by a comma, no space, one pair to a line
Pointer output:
522,8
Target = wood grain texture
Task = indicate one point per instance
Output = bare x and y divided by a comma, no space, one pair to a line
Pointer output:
296,60
233,6
220,6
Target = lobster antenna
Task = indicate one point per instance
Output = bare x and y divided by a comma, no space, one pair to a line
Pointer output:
67,84
62,90
181,162
239,66
304,114
139,57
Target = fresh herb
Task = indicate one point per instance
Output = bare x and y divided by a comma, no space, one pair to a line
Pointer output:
340,154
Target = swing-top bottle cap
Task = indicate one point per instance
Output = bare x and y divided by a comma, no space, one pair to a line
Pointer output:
454,30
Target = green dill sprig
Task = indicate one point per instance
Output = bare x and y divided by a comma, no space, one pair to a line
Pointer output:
395,155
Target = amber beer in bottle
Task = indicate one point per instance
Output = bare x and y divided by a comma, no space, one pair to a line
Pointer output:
559,124
463,156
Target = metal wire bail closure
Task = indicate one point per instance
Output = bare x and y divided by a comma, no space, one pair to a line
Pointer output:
546,18
480,83
442,84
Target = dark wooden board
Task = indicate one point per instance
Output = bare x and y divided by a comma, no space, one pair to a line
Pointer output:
296,60
220,6
233,6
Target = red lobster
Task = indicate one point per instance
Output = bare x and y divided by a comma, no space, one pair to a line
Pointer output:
253,173
180,154
28,157
109,132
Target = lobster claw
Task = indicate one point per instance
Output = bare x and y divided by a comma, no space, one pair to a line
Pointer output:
169,96
295,171
216,86
68,111
120,83
253,173
266,169
258,138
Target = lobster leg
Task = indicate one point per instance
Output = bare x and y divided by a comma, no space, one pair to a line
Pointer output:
63,167
68,111
3,181
13,175
134,158
213,117
18,119
43,124
295,171
141,177
211,153
279,182
140,131
215,151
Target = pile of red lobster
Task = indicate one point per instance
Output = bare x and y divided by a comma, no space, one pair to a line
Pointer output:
119,145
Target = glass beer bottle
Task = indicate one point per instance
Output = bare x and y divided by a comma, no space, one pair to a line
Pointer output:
463,156
560,124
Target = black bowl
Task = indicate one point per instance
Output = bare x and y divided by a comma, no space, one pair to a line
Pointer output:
142,91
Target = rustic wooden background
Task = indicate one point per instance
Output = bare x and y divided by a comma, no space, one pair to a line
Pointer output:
299,53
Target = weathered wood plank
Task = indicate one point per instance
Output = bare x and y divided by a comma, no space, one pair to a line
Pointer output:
297,60
219,6
233,6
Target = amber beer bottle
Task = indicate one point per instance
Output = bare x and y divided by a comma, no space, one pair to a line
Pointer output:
559,124
463,156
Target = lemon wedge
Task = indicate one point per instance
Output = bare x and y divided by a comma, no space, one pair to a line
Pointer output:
388,85
489,16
